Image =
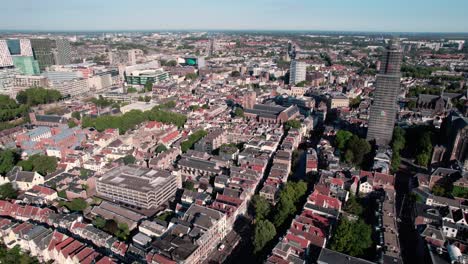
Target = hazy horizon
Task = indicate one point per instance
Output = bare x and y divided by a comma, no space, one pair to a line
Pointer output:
416,16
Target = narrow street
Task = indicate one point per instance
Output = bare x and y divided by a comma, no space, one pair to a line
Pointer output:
410,243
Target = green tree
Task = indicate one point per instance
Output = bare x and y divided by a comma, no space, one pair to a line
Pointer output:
76,115
353,206
424,147
123,232
261,206
15,255
188,185
77,204
7,191
149,86
40,163
194,107
359,148
284,209
8,159
132,89
191,76
355,102
460,192
26,165
160,148
192,139
352,238
239,112
301,84
99,222
411,104
439,190
294,123
264,232
129,159
341,139
38,95
71,123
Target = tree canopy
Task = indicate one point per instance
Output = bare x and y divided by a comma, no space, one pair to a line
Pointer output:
263,233
133,118
129,159
239,112
38,95
288,198
39,163
262,207
398,144
352,237
7,191
353,147
160,148
15,255
191,76
8,159
294,123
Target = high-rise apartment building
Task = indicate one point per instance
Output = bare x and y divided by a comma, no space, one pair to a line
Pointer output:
383,109
25,46
132,57
62,53
297,72
5,57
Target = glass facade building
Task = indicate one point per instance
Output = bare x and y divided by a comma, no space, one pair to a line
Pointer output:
26,65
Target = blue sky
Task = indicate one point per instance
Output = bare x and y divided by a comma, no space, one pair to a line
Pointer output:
346,15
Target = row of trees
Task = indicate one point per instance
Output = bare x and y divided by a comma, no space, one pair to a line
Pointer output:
268,219
133,118
354,148
192,139
398,144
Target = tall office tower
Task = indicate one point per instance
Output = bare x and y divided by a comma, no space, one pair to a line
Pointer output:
132,57
387,85
5,56
62,52
297,72
43,52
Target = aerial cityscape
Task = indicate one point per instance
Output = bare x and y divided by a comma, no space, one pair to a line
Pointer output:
276,132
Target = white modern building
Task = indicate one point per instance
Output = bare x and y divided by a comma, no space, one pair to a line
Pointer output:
297,72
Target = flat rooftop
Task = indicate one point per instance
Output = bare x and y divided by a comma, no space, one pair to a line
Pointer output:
135,178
